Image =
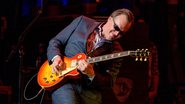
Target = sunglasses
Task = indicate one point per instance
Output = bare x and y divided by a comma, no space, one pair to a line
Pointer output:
116,27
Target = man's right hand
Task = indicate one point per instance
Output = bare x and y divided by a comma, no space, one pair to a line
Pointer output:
58,65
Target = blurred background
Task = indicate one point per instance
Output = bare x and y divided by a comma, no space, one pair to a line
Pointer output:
28,25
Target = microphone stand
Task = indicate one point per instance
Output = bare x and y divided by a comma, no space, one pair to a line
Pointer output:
19,48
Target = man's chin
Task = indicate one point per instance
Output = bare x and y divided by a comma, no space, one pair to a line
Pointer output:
111,38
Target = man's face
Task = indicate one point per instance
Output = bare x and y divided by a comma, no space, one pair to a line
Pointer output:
115,27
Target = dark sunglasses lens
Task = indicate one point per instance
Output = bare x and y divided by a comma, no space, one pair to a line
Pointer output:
116,27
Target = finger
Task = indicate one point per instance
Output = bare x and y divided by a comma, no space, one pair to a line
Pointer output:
58,68
54,69
79,62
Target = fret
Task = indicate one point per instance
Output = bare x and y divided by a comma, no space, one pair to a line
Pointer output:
115,55
90,60
96,59
103,57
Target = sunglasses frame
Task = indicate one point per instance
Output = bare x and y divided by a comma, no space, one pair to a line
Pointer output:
116,27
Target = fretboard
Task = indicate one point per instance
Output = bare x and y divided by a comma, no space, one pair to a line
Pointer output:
111,56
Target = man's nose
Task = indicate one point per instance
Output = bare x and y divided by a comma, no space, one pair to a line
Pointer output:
116,33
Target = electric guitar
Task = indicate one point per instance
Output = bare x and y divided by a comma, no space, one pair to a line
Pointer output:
46,79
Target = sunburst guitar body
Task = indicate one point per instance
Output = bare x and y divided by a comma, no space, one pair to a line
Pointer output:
47,79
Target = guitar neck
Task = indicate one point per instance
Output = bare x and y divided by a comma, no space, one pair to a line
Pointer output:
110,56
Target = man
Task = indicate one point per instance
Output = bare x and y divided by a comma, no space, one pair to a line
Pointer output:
85,35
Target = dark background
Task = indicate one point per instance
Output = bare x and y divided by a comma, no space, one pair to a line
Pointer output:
28,31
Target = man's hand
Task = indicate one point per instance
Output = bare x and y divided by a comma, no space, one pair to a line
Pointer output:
58,65
86,68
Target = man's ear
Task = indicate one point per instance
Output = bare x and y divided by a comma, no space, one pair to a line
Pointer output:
128,26
109,18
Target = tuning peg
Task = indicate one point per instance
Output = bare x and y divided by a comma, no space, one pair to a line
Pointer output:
136,59
141,59
147,52
145,59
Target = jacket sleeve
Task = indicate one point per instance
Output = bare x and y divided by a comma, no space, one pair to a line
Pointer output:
58,42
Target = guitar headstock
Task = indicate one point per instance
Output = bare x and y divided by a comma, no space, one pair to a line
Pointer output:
142,54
